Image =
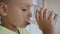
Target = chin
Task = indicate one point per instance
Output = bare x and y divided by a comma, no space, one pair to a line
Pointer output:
23,26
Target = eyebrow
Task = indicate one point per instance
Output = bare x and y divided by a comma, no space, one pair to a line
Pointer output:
33,5
30,5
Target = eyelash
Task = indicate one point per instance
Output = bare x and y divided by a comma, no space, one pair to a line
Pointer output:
24,9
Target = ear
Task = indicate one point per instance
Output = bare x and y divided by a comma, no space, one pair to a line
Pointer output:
3,9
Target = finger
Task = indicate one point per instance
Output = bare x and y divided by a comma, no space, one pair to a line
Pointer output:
37,15
41,13
45,14
51,15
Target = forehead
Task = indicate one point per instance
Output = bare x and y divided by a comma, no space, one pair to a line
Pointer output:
22,1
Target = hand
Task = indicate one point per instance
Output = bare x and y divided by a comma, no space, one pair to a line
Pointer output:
45,22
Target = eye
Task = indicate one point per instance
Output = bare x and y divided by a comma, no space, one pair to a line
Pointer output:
24,9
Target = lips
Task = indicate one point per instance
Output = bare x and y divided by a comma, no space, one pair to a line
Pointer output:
27,22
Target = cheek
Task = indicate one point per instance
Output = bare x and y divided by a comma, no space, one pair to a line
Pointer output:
16,16
26,13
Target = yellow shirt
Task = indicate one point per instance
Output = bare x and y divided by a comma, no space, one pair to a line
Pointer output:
4,30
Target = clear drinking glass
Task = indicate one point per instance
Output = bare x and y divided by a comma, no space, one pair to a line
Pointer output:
33,10
33,20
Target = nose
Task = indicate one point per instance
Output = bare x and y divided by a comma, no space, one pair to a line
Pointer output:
29,14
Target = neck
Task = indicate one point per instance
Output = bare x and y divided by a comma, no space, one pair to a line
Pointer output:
6,24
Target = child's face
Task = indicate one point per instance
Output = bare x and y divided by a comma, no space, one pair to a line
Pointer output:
19,12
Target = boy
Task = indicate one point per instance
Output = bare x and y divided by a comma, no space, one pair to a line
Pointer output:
16,14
